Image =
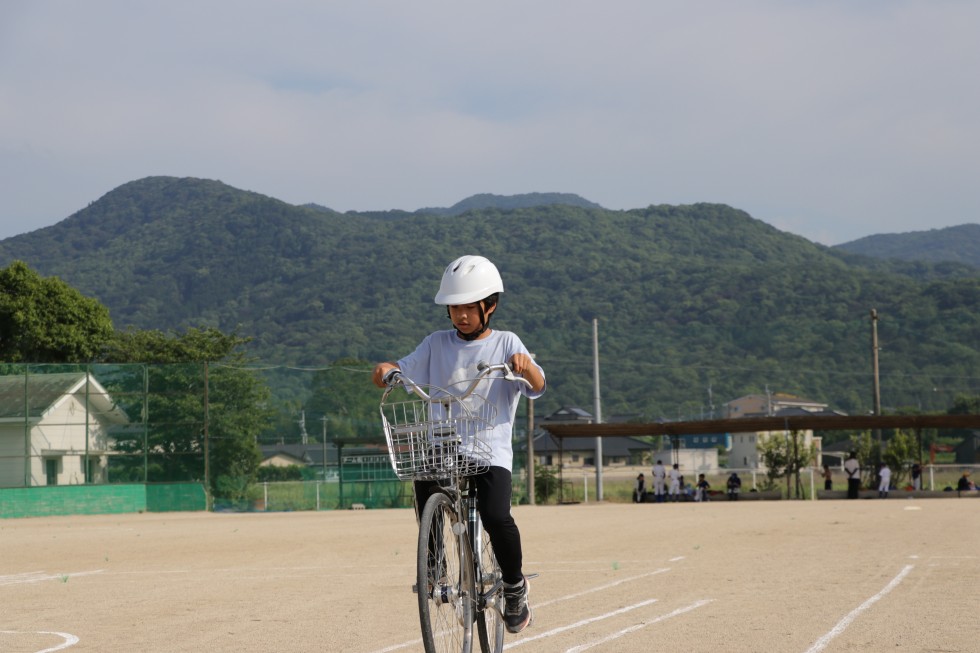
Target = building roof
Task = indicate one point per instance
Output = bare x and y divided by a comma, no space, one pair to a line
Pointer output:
621,446
42,393
569,414
778,398
796,410
576,415
759,405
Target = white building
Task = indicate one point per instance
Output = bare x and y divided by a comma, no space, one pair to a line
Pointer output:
54,429
745,445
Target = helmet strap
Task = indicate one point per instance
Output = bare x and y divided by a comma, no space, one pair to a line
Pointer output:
484,324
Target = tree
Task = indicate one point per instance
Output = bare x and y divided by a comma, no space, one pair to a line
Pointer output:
344,394
545,483
44,320
204,409
965,405
868,453
900,452
800,456
193,346
784,457
273,474
774,453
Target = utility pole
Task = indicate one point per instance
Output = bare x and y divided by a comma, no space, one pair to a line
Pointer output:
874,368
529,464
207,437
303,435
598,410
323,443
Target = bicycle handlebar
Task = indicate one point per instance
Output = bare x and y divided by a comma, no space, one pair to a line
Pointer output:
395,377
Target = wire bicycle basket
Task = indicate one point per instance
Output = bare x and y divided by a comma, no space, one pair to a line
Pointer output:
439,437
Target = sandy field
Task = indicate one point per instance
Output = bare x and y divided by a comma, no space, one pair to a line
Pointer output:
869,575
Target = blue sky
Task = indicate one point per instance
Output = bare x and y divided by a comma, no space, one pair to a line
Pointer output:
831,120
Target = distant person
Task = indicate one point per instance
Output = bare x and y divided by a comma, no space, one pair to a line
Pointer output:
734,486
853,470
916,476
701,489
640,491
828,478
659,476
676,480
884,480
964,484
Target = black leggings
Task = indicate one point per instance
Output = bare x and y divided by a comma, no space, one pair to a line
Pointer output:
493,495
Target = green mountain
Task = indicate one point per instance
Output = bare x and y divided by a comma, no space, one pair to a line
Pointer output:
490,201
959,244
696,305
509,202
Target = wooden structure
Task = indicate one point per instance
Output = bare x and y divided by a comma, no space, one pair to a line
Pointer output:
755,424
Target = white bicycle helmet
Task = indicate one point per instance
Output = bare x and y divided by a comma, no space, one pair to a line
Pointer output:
471,280
467,280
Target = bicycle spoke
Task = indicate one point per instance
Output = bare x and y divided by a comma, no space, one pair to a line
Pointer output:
490,622
444,581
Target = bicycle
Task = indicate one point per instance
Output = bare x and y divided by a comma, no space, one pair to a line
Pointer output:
439,436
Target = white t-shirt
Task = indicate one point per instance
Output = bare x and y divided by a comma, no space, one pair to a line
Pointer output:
659,471
445,360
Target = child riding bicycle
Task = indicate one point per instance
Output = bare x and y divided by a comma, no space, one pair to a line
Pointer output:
470,289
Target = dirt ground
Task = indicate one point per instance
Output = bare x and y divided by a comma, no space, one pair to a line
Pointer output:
870,575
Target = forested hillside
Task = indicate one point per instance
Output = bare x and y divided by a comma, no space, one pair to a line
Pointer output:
959,244
696,304
509,202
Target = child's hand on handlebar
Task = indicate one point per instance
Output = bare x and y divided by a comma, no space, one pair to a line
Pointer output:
519,363
523,365
380,370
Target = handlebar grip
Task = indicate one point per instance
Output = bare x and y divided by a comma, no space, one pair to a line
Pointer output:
391,376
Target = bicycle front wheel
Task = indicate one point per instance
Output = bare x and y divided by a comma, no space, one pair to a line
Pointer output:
444,579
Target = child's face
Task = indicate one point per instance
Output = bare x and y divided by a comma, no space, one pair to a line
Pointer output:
466,317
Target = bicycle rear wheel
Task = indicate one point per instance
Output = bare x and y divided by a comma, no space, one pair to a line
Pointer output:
445,579
489,621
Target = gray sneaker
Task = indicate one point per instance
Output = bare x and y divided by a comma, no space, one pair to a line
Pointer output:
517,612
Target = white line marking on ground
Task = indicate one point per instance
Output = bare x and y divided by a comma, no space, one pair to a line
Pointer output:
676,559
40,576
599,588
20,578
634,628
821,643
395,647
583,622
70,640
